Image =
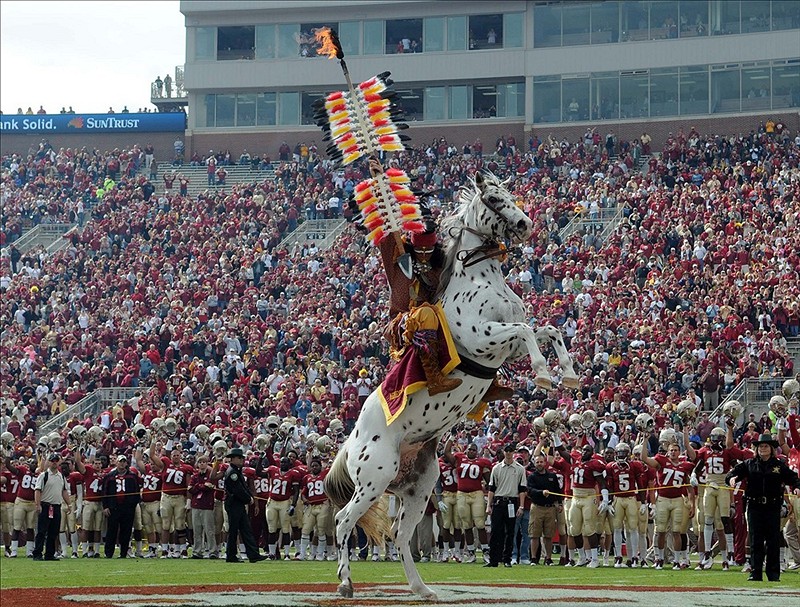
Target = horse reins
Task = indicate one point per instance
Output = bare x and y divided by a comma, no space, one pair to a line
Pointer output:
488,250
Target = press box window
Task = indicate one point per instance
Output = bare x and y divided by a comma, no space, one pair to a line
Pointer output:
236,43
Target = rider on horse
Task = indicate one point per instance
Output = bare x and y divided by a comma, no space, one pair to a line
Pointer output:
415,320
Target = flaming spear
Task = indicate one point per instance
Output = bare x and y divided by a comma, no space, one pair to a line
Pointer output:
362,122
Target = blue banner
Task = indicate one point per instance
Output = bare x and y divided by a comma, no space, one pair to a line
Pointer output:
93,123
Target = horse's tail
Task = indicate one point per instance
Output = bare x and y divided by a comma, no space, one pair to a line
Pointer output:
339,487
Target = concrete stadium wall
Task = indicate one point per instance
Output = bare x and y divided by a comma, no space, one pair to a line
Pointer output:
658,129
29,142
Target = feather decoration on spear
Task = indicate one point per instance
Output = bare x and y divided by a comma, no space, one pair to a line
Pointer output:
364,120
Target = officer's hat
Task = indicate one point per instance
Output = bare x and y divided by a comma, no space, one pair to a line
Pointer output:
766,438
237,452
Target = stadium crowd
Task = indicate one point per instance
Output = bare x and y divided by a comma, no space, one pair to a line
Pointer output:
193,302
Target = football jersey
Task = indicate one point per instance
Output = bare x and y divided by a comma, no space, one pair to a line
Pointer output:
447,474
151,485
469,472
73,480
282,484
175,479
260,484
623,479
313,488
671,477
584,473
563,469
92,480
794,459
8,490
716,464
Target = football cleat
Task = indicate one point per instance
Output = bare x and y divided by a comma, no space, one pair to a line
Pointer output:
618,562
74,555
164,554
593,564
747,567
659,565
726,566
470,558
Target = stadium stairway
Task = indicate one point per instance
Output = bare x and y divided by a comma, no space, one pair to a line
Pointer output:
198,177
48,235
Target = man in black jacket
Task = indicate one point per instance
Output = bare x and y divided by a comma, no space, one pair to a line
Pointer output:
237,498
543,489
766,476
121,491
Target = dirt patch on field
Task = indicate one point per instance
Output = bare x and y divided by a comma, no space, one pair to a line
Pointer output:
380,595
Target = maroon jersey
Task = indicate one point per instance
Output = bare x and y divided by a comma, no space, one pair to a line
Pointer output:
563,470
282,484
8,490
151,485
448,475
74,479
469,472
672,477
313,488
92,485
175,479
719,463
584,473
623,479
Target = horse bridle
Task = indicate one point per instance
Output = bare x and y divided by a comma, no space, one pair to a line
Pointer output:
491,247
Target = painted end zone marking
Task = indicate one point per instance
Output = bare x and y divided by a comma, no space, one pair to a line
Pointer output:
385,595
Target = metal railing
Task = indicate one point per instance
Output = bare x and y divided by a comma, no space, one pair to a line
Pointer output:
90,405
322,231
604,218
41,233
753,394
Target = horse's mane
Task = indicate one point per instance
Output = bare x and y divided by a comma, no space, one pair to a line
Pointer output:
450,229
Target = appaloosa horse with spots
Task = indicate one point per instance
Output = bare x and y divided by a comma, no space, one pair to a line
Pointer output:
488,325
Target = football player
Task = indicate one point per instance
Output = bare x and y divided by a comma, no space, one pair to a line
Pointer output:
587,475
623,476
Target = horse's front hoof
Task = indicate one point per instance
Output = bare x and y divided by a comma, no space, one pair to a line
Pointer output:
346,590
571,382
543,382
429,595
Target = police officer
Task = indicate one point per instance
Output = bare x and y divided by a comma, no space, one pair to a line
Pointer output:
237,498
766,476
121,490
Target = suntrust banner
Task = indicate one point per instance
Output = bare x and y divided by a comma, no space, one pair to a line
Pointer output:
93,123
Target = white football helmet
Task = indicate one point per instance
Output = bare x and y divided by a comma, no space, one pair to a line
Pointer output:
791,389
171,427
335,428
201,431
623,452
262,442
779,406
7,440
552,419
220,448
589,420
273,422
54,440
668,436
157,425
687,411
324,444
644,422
539,425
717,436
732,410
286,428
214,437
77,433
574,423
95,435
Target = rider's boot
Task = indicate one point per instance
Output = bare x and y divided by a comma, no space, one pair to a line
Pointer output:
429,357
497,391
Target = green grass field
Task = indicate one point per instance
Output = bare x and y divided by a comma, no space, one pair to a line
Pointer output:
25,573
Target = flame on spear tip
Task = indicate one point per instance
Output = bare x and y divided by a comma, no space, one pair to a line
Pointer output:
329,43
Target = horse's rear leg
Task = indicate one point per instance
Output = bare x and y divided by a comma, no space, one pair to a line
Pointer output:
370,483
415,497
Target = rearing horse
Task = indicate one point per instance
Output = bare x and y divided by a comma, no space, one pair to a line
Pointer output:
487,322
